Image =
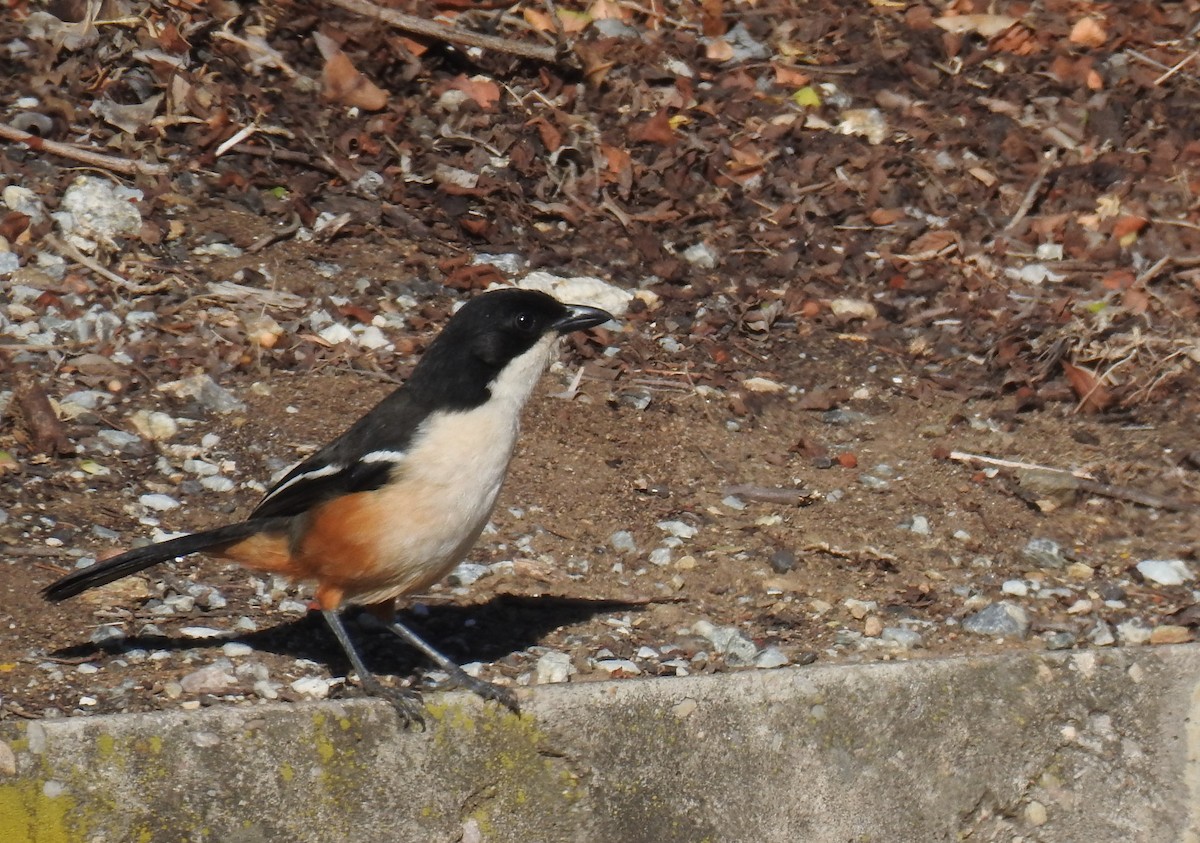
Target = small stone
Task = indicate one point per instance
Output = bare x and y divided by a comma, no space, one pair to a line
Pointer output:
1102,635
638,398
618,667
1043,553
206,391
685,563
1170,634
1017,588
107,635
211,679
999,620
1079,571
770,658
700,255
8,760
119,439
217,483
1133,633
467,573
236,649
902,638
313,687
733,502
159,503
1035,813
918,524
154,425
872,627
180,602
206,740
1080,607
859,608
1059,640
660,556
1165,571
782,561
553,667
622,542
679,529
727,640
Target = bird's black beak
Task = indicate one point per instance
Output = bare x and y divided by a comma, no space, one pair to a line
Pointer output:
580,317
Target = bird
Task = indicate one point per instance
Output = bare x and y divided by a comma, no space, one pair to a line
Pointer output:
394,503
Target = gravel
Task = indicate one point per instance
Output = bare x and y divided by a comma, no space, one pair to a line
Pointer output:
1003,619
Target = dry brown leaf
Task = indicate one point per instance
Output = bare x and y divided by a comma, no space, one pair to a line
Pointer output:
790,77
550,135
713,18
1092,395
615,157
986,25
1135,301
718,49
342,83
655,130
609,10
1088,32
886,216
483,91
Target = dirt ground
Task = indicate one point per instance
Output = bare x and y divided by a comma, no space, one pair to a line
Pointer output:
1008,273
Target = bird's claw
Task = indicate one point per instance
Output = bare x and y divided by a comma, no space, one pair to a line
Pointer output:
406,702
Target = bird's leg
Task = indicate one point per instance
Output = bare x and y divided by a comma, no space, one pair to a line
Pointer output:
406,702
458,676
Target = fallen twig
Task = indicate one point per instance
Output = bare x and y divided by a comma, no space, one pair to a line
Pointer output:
1128,493
1086,483
962,456
770,494
866,553
452,34
1032,192
84,156
104,272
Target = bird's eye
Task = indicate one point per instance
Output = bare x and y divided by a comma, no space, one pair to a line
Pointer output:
525,323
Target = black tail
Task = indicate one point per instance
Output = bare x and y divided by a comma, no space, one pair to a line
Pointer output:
141,558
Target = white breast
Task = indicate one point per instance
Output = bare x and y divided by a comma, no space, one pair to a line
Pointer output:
453,471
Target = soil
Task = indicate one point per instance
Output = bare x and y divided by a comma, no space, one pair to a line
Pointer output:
944,351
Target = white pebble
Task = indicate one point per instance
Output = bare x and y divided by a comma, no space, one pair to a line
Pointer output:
619,667
1165,571
217,483
159,503
679,529
313,687
553,667
660,556
1017,588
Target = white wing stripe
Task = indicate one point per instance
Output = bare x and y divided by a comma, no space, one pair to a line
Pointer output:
383,456
323,471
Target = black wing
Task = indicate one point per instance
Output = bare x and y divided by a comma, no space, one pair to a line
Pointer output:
359,460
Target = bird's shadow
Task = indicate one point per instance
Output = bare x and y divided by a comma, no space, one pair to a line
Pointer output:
487,632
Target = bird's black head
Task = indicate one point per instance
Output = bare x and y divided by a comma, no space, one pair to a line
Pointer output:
489,333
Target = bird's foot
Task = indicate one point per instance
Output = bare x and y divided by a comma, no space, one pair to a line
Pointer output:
407,702
459,678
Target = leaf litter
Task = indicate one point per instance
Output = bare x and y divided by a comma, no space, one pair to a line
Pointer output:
851,239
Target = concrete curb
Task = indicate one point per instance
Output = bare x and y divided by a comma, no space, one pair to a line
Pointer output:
1093,746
